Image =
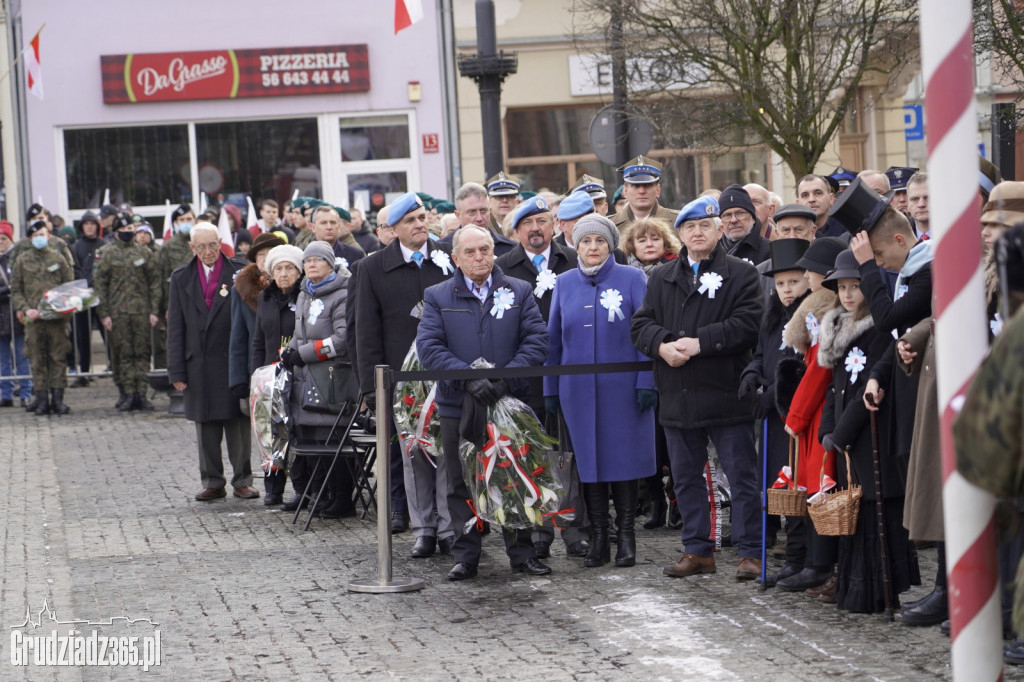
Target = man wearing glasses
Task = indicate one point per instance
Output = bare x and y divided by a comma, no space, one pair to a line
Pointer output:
198,341
741,237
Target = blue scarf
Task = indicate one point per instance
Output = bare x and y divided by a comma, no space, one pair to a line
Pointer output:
921,255
311,288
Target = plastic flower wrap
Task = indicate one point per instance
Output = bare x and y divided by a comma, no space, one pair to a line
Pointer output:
419,425
268,413
67,299
512,478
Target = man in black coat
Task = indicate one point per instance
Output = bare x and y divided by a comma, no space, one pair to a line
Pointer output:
538,260
388,295
198,341
471,207
742,230
699,322
90,239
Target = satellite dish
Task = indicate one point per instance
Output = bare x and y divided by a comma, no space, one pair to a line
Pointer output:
602,135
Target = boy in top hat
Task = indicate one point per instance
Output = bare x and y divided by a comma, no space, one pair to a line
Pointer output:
641,189
502,198
595,188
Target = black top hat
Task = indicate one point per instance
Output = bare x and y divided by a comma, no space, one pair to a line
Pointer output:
820,256
786,253
859,207
846,268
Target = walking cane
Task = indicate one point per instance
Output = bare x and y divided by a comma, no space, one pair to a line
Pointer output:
764,506
880,513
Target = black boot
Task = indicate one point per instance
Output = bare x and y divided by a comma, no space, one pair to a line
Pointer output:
123,399
659,504
142,402
931,610
34,403
597,509
625,494
57,405
675,521
129,403
42,403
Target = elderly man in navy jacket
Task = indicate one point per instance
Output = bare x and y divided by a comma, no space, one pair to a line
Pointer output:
478,313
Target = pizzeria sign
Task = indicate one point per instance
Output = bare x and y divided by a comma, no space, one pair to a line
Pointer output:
229,74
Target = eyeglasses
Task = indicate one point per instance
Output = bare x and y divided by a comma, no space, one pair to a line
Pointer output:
206,247
736,214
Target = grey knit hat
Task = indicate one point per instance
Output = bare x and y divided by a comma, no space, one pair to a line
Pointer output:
595,223
319,250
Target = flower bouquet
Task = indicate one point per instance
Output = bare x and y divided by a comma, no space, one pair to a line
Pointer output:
67,299
512,478
268,414
419,425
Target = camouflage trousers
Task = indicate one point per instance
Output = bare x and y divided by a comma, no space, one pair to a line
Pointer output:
130,345
160,344
47,345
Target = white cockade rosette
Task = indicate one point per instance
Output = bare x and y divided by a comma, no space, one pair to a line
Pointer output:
503,300
855,363
611,299
710,282
996,324
811,322
315,309
545,282
441,260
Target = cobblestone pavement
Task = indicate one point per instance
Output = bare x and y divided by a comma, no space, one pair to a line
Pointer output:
99,521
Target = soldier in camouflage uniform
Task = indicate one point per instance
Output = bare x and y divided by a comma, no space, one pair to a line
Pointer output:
989,435
37,212
301,208
128,285
174,253
37,270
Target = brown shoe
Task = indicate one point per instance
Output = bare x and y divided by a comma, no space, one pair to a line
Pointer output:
826,592
247,492
207,494
691,564
749,569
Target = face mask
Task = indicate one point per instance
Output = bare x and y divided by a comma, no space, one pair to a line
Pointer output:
183,228
126,236
40,242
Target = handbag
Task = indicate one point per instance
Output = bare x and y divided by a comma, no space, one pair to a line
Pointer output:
328,386
571,506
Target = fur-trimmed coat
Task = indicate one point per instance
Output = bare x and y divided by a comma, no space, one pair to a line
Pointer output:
244,294
802,409
841,340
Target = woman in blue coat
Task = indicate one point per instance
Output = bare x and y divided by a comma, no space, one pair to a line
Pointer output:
610,416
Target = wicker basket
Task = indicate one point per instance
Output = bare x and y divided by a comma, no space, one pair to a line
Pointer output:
789,501
837,515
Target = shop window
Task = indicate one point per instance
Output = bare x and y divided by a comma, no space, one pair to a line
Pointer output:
375,139
740,168
376,190
143,165
267,159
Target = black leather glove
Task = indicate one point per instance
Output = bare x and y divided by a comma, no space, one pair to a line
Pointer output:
552,404
290,358
500,387
483,390
749,383
764,403
241,391
646,399
828,443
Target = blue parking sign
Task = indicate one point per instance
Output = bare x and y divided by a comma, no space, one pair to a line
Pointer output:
913,121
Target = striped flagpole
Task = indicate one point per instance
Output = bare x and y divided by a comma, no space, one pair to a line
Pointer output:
961,329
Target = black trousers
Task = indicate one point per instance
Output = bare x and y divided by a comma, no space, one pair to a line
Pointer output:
518,545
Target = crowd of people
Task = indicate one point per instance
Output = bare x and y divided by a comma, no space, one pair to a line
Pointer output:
789,341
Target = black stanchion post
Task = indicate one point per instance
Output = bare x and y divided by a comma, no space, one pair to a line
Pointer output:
385,582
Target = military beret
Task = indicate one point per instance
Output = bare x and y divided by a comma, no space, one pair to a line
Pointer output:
108,210
701,207
180,211
33,211
575,205
34,227
409,201
444,206
531,206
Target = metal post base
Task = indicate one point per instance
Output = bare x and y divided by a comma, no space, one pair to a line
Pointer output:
176,408
374,586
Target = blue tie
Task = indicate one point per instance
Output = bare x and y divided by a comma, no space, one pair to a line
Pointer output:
695,267
538,261
417,256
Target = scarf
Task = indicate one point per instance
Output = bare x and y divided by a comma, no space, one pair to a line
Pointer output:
209,286
311,288
921,255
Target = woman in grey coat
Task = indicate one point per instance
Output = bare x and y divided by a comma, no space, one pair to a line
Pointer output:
320,337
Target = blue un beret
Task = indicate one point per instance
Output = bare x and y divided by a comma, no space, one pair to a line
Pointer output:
701,207
402,205
529,207
575,205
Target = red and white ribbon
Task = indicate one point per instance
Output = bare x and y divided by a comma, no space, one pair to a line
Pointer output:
499,447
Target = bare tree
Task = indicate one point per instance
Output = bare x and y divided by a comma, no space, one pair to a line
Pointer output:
999,35
731,73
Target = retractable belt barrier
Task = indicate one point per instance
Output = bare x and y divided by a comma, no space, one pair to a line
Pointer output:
384,379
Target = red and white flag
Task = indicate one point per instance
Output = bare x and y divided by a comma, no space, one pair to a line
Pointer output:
168,220
407,13
227,240
33,70
251,221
